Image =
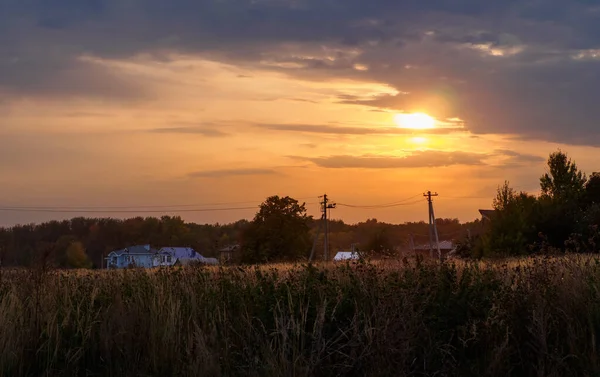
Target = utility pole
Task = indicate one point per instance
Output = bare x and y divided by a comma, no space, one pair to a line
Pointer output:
312,252
325,206
432,225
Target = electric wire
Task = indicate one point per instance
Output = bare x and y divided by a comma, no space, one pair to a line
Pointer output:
380,206
58,210
139,208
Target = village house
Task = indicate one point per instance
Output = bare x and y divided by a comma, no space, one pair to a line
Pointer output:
133,256
226,253
353,254
425,249
170,256
346,256
487,215
145,256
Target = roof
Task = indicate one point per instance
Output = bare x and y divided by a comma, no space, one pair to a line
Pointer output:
213,261
487,213
444,245
181,252
346,255
136,249
229,248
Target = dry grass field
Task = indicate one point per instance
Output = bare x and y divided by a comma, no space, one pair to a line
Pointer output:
503,318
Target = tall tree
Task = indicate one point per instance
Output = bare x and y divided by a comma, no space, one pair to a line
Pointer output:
562,200
514,226
563,181
279,232
592,189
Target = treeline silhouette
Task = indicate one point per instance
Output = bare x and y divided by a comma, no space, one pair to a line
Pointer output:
22,245
565,217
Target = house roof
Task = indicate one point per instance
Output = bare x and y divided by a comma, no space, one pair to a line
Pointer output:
444,245
181,252
487,213
136,249
345,255
229,248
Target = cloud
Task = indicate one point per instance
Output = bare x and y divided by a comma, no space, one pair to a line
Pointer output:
350,130
423,159
420,159
525,68
517,159
199,130
231,173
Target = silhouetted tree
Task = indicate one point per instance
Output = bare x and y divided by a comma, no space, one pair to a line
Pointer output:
279,232
514,226
592,189
563,181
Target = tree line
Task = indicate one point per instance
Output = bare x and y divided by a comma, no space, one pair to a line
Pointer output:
564,217
281,231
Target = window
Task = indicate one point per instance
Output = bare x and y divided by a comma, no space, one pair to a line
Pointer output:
169,259
163,259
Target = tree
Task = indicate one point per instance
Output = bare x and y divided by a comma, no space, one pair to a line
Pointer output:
505,195
279,232
513,229
379,243
592,189
76,256
562,200
563,181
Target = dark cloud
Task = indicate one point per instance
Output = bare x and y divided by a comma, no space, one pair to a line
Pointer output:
231,173
529,68
518,159
415,160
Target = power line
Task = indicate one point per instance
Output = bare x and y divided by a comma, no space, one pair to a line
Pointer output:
138,208
56,210
381,206
392,204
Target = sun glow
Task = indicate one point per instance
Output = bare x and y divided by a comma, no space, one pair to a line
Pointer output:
416,121
418,140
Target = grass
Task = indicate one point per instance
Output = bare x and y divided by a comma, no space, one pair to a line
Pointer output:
539,317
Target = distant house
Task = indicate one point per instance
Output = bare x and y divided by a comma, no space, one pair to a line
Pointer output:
346,255
487,214
226,253
445,248
133,256
169,256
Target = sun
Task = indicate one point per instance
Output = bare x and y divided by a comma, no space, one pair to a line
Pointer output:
416,121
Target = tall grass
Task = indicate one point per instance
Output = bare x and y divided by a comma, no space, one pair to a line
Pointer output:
540,318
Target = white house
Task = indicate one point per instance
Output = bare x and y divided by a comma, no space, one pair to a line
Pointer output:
346,255
132,256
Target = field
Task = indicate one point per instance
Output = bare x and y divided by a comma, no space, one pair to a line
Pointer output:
537,317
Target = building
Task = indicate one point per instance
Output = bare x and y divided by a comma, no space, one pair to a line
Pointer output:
346,256
445,248
226,253
170,256
133,256
487,214
145,256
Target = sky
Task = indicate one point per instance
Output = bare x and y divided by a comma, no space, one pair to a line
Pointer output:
203,104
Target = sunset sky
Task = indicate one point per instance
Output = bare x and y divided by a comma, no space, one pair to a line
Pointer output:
221,103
